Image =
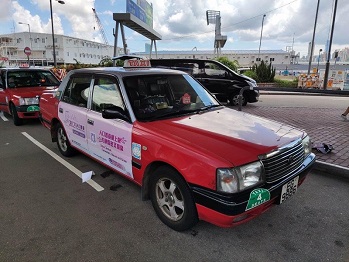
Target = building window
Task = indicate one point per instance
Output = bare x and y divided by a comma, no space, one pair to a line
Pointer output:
43,40
67,53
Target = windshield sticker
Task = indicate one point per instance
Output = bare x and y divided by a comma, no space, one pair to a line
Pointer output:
257,197
136,151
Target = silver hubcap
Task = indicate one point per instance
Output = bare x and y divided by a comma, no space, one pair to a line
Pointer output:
62,139
170,199
236,100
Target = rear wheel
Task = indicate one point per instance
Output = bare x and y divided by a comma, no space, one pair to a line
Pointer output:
63,142
16,120
172,200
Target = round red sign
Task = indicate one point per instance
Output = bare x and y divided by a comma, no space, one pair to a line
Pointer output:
27,51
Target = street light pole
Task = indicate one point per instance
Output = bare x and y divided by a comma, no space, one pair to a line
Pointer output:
260,39
312,41
53,34
329,47
30,36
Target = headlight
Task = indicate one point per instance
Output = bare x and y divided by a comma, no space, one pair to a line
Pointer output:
233,180
252,84
306,142
28,101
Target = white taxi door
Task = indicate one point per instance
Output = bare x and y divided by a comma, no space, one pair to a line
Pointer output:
109,140
72,110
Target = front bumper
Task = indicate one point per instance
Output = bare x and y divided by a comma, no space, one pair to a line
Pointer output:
228,210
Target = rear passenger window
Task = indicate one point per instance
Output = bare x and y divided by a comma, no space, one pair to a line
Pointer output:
214,71
106,94
77,91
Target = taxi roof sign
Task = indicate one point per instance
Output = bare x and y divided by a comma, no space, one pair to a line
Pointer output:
135,63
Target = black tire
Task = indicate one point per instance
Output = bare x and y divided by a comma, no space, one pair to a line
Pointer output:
234,100
172,200
63,142
16,120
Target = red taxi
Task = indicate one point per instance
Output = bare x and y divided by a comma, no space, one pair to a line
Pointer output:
20,89
194,158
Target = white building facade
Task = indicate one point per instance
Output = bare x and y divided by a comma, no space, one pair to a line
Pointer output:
245,58
69,50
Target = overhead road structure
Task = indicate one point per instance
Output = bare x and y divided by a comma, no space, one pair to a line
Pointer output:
135,24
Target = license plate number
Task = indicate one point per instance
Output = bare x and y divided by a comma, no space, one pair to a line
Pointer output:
289,189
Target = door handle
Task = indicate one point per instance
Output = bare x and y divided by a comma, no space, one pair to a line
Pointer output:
90,122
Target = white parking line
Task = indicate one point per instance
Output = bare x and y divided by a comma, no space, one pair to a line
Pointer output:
63,162
2,116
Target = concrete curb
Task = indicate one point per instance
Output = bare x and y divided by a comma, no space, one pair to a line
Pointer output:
331,168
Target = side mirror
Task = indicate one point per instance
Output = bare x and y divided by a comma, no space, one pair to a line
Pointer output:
115,112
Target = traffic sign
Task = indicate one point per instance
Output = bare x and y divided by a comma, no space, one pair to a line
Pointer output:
27,51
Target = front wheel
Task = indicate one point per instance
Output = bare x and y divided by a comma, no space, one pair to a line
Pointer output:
234,100
16,120
172,200
63,142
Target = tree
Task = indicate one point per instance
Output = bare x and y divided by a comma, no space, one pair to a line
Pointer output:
233,65
106,61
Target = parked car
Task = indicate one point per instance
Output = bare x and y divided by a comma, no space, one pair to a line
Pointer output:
20,89
219,79
194,158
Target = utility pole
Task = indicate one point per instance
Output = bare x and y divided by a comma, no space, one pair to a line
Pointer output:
312,41
329,47
260,39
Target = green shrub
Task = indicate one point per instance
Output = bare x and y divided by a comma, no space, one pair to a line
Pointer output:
286,83
265,72
251,74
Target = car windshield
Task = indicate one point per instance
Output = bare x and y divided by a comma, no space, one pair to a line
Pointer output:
159,96
31,78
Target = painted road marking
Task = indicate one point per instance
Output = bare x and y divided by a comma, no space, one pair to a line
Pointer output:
2,116
76,171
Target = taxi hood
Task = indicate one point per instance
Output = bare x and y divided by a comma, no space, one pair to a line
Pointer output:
230,135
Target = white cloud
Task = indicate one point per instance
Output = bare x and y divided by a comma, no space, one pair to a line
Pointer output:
183,22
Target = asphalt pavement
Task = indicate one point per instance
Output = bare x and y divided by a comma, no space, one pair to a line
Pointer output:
323,125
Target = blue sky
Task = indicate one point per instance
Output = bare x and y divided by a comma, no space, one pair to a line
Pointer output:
182,23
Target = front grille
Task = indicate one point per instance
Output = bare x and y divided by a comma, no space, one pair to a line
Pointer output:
284,162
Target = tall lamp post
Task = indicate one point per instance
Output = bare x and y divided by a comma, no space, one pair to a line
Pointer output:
329,46
30,36
312,41
53,33
260,39
318,61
